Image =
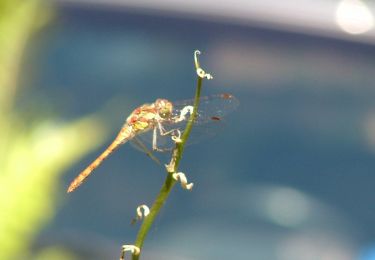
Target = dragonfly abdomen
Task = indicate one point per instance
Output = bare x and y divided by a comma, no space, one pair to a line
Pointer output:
124,135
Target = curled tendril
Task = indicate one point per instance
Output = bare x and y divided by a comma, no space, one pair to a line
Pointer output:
177,137
184,112
142,211
196,61
200,72
183,180
132,248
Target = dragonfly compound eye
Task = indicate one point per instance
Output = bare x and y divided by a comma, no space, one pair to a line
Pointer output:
164,113
164,108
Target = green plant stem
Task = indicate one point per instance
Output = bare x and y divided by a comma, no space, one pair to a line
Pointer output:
169,181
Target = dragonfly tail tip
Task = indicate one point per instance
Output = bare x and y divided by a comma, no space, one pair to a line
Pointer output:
70,189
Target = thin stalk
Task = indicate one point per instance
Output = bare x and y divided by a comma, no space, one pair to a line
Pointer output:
169,181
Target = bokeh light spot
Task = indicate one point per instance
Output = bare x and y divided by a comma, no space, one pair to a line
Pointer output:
354,17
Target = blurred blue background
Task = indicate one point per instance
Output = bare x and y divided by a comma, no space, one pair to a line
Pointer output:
289,177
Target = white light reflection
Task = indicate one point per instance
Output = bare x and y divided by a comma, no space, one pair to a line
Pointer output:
269,222
287,207
354,17
314,245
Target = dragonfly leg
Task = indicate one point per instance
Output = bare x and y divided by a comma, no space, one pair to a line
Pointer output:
154,140
163,132
175,133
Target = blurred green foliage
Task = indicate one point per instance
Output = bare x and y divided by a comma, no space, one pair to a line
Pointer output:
34,152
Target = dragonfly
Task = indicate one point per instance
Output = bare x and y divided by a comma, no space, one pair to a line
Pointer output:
165,120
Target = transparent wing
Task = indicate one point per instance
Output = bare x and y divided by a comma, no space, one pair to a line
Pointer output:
211,108
210,118
139,145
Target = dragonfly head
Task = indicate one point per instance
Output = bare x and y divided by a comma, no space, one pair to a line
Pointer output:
164,108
